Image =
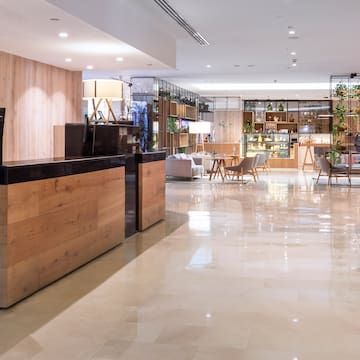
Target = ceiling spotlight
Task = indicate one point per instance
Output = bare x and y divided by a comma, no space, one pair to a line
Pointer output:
251,65
291,32
63,34
68,60
119,58
293,53
54,19
208,66
89,67
149,64
294,64
237,65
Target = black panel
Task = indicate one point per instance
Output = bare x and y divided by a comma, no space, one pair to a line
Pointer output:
130,195
2,119
150,156
75,136
22,171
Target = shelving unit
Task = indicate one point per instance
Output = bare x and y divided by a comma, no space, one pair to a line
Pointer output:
345,96
291,116
164,110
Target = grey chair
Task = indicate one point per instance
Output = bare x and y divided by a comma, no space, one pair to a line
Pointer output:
246,167
326,169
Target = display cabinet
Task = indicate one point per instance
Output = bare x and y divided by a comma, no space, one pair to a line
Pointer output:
291,116
278,145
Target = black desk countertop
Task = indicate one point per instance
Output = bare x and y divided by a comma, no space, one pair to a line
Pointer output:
13,172
150,156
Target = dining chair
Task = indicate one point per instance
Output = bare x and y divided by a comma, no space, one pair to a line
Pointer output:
329,170
246,167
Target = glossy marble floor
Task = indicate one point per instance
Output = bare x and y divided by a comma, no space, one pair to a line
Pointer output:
237,271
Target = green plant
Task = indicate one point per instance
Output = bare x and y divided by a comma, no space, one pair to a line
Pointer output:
355,91
281,107
340,112
269,107
172,127
248,128
339,146
341,90
334,156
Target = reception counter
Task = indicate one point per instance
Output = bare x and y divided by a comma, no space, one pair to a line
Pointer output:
56,215
151,188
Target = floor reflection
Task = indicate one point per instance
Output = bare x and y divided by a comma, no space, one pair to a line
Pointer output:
236,271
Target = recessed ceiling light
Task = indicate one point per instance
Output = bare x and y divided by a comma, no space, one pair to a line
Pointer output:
237,65
293,53
294,64
68,60
251,65
54,19
89,67
292,32
208,66
149,64
119,58
63,34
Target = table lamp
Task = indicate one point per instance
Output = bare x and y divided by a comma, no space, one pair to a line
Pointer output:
102,90
200,128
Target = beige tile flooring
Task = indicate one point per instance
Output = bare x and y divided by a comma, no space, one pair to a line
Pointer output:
256,271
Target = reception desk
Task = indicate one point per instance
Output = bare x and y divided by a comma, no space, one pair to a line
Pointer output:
56,215
151,188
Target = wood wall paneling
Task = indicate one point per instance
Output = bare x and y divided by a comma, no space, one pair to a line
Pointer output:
36,97
56,225
228,126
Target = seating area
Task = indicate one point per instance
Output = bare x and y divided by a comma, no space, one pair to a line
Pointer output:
216,166
329,170
184,166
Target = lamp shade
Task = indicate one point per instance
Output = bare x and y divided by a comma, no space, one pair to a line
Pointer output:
199,127
102,88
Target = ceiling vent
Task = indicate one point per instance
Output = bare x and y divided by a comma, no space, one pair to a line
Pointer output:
182,22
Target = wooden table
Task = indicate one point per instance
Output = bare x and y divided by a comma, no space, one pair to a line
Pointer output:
218,166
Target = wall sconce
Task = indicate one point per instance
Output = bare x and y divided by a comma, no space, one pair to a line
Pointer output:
102,90
200,128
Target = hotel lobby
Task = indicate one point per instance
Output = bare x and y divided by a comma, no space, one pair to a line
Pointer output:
103,256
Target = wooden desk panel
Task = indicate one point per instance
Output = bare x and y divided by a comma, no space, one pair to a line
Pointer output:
151,179
50,227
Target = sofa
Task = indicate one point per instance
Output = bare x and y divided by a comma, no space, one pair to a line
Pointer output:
183,165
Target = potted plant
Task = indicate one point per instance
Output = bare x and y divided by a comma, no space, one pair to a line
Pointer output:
248,128
269,107
341,90
172,126
339,146
355,93
281,107
340,112
334,156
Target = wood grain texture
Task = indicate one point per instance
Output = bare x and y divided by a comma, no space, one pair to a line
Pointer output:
53,226
59,140
228,126
151,183
223,148
36,97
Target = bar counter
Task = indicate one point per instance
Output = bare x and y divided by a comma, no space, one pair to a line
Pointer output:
56,215
151,188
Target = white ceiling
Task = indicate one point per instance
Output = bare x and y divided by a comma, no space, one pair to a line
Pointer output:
240,32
